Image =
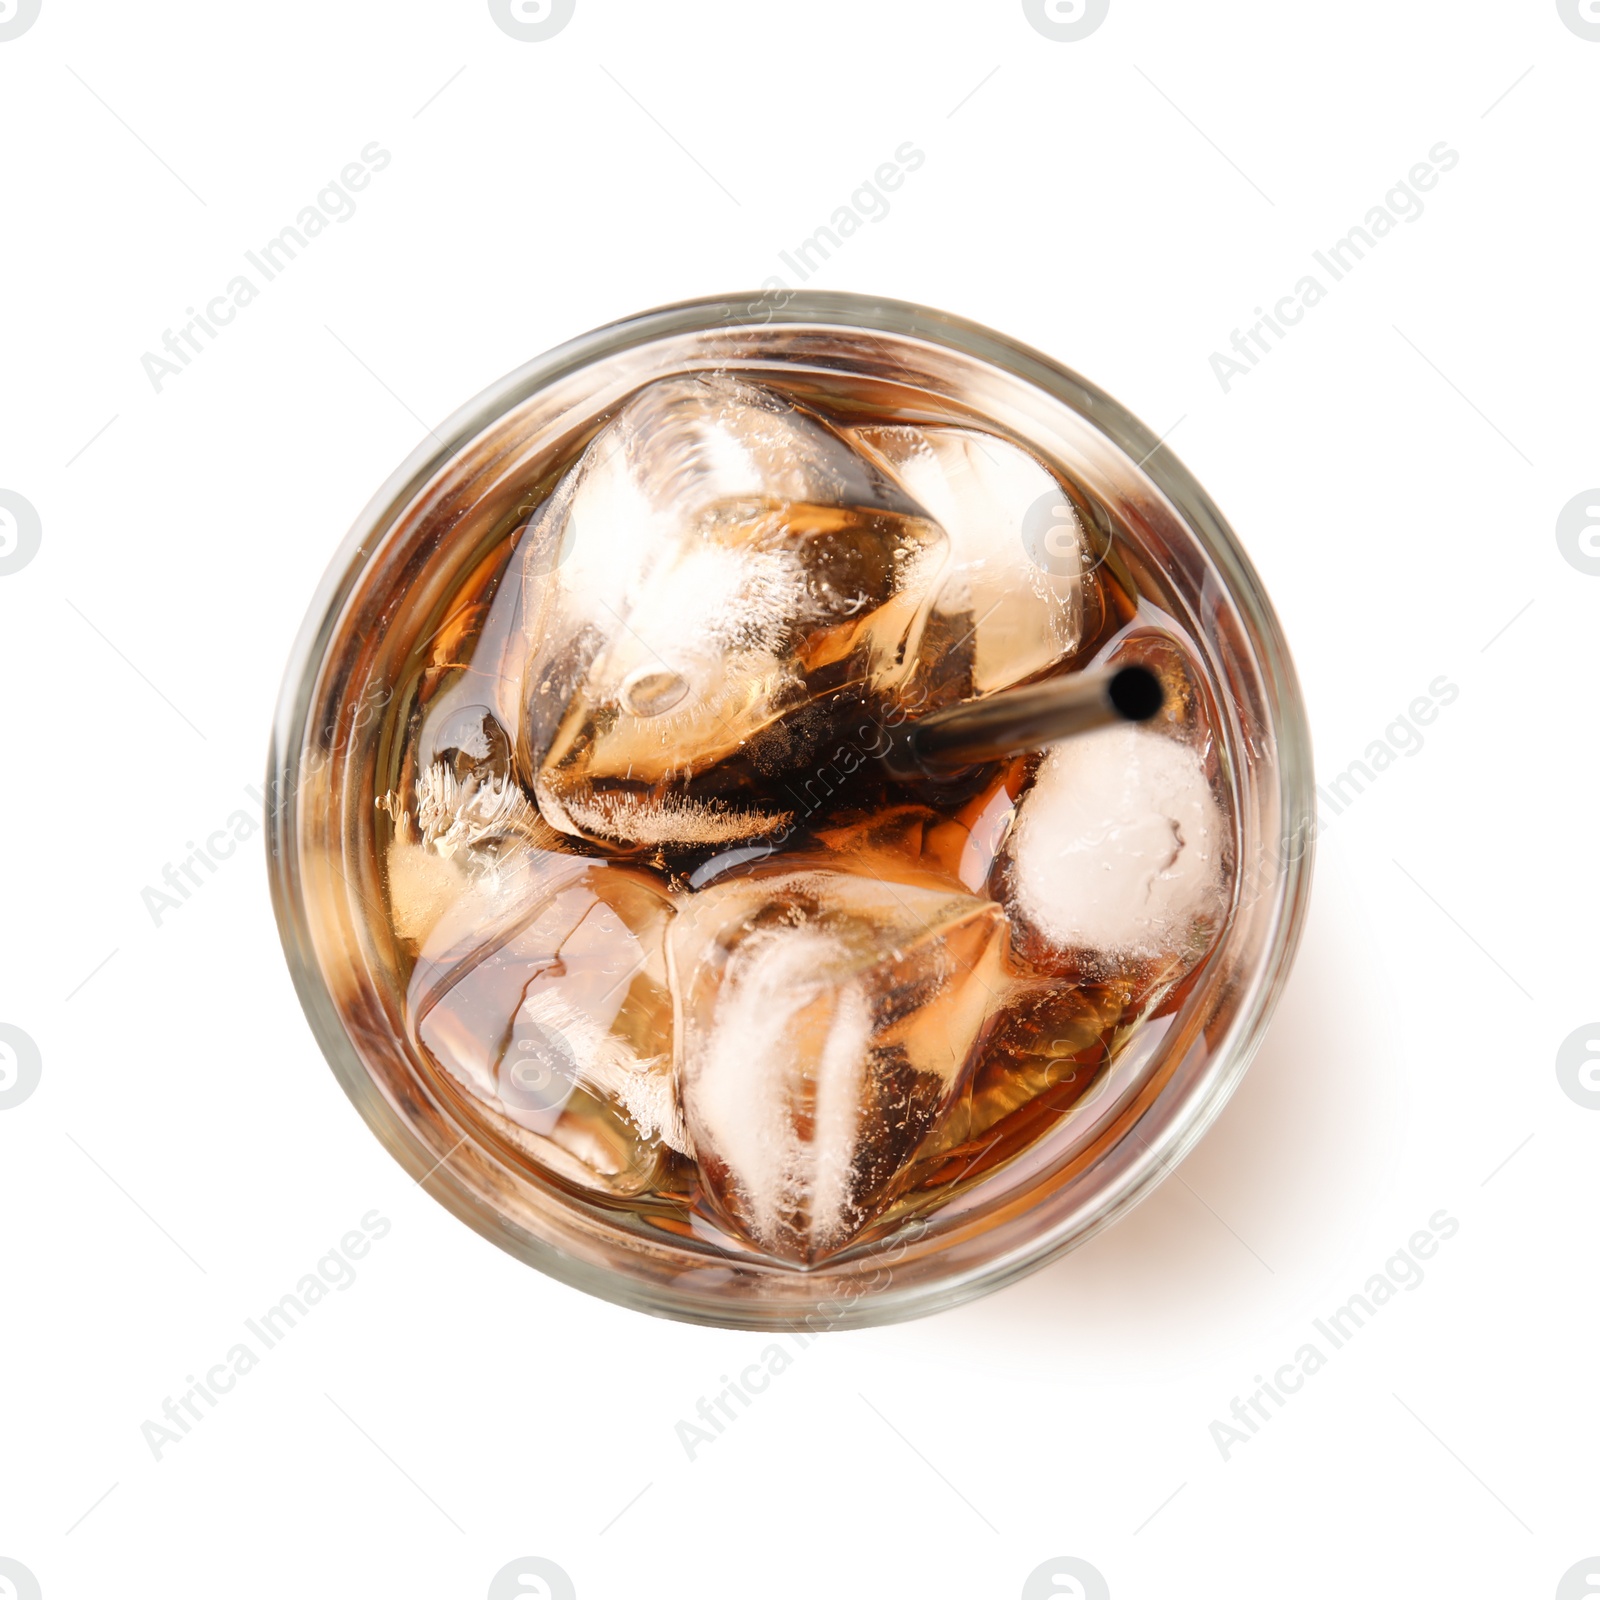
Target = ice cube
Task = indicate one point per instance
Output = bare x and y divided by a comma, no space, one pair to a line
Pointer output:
466,827
553,1010
456,814
1011,600
826,1019
734,563
1118,852
1047,1046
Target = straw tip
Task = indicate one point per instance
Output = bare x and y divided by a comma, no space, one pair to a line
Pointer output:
1136,693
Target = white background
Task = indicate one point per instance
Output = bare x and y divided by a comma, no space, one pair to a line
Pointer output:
1395,469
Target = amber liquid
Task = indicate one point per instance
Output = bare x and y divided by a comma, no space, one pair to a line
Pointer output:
502,906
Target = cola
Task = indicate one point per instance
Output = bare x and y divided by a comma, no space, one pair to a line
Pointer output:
673,936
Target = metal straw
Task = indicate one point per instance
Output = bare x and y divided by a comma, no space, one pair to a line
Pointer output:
1015,720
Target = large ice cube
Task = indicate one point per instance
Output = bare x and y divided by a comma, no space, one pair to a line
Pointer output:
826,1019
544,995
1010,602
729,563
1118,852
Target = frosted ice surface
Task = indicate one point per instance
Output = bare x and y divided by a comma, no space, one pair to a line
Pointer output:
1024,611
731,559
455,814
1118,847
825,1021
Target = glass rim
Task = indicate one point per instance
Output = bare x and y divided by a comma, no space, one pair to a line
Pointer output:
1185,1121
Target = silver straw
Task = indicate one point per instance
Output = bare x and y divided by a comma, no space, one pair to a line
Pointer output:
1015,720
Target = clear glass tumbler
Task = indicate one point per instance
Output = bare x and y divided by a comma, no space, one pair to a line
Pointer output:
457,502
